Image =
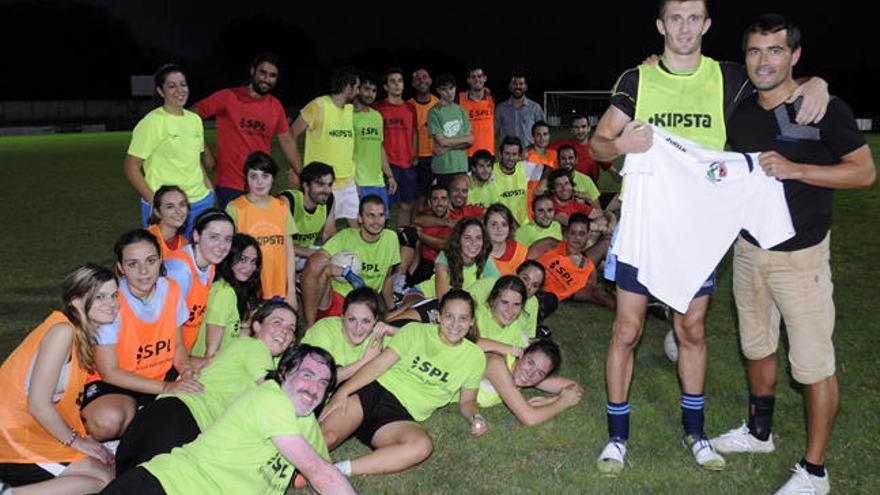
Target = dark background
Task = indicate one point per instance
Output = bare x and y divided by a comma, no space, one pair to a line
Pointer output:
87,49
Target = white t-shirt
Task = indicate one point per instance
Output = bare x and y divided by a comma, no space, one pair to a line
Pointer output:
685,205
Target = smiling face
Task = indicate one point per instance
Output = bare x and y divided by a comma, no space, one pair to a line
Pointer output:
140,265
372,219
567,158
533,278
531,369
456,320
477,80
104,304
213,242
683,25
264,77
562,188
245,264
507,307
498,228
518,87
421,81
510,155
471,243
367,93
319,190
259,183
307,385
541,136
482,170
543,212
439,203
769,59
357,323
458,191
173,209
580,129
276,331
174,91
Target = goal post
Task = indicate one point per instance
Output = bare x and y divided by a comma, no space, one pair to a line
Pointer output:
561,106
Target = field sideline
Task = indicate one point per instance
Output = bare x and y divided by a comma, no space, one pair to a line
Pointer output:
65,201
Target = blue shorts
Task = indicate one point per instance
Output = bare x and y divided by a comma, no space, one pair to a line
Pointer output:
381,191
194,210
407,184
627,278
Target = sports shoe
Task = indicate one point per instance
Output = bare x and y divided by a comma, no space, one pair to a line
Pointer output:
741,440
704,453
804,483
610,461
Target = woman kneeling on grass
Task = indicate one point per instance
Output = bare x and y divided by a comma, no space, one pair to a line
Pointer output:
138,351
43,447
420,370
355,338
235,293
506,375
176,419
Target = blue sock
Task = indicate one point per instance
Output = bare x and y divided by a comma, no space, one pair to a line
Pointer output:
618,420
692,414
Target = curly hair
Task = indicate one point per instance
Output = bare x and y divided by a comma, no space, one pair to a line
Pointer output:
453,252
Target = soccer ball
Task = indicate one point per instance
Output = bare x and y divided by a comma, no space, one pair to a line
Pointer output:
670,346
343,258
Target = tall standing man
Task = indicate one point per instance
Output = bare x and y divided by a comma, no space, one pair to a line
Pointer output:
371,169
401,141
792,280
652,94
247,118
480,107
516,115
423,101
330,138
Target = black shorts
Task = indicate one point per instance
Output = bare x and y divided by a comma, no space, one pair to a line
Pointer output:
24,474
423,271
97,389
425,177
380,408
156,429
428,310
137,480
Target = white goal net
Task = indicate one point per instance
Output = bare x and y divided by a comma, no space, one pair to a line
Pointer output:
561,106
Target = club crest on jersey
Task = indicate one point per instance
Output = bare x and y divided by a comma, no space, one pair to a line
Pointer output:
716,172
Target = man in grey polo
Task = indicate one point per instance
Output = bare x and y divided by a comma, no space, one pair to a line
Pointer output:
516,115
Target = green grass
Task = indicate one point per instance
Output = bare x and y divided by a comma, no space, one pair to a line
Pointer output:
64,201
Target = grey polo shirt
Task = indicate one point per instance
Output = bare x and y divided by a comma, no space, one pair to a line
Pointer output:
513,121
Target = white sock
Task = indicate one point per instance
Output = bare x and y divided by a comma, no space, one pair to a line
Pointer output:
344,466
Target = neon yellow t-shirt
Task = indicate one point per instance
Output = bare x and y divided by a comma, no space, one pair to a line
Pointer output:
468,275
328,334
368,137
309,225
487,396
222,310
171,147
584,184
234,370
430,373
481,196
528,317
236,453
377,257
531,232
330,137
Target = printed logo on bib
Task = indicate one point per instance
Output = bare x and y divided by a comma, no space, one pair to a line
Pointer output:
195,314
513,193
558,272
672,119
369,132
451,128
341,133
479,114
146,351
716,172
428,370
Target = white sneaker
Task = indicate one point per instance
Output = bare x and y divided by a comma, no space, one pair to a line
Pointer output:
741,440
804,483
610,461
704,453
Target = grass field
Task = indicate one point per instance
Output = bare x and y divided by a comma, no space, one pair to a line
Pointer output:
64,201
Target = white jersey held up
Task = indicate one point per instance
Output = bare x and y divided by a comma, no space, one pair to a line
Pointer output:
685,205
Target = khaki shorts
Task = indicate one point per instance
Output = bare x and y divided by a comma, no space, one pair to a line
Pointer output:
346,201
796,287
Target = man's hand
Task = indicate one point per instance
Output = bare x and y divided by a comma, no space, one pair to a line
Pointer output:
815,102
636,137
778,166
392,186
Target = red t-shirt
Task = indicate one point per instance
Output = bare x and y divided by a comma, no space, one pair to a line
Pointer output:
427,252
467,211
244,125
571,206
399,121
585,164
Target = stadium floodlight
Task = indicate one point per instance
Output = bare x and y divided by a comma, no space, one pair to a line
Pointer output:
560,106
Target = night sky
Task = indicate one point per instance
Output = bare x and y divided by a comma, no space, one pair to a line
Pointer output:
582,45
